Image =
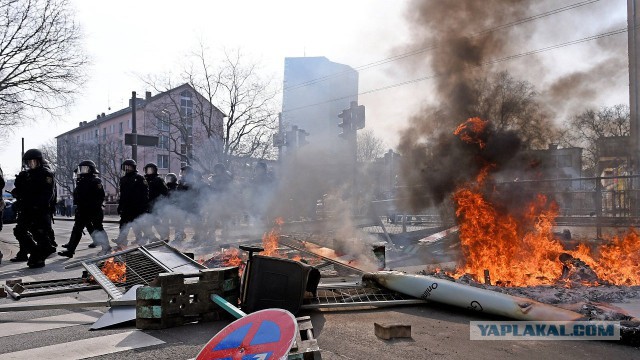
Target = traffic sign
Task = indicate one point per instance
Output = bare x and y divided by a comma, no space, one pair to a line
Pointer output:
263,335
141,140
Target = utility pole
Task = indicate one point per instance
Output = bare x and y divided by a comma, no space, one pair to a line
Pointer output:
353,119
134,145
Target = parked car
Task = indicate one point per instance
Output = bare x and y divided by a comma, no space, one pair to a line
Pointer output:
8,215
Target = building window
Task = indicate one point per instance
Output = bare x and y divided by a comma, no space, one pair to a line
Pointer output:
96,133
186,104
163,121
163,142
104,134
163,161
120,129
77,138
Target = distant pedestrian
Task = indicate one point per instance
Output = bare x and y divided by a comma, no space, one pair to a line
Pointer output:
68,206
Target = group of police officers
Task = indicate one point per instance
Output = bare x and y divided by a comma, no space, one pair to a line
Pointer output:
35,199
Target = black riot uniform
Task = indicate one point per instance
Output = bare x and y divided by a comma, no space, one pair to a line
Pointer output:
34,193
134,199
157,191
88,197
157,186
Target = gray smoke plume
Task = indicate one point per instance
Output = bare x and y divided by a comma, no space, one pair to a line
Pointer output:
434,161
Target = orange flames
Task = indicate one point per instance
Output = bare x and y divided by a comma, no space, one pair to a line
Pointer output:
232,257
270,239
524,252
115,271
469,131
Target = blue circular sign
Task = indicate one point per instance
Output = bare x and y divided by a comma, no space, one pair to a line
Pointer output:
264,335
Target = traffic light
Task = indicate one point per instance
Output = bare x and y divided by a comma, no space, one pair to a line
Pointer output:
346,123
302,137
358,117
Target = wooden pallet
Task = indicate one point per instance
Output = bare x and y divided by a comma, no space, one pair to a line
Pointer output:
170,301
305,346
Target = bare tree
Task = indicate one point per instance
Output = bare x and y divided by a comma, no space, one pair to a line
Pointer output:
41,58
370,147
512,104
234,110
68,155
50,153
587,128
111,154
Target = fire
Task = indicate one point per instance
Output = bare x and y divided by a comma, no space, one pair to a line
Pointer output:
470,130
232,257
523,251
270,239
115,271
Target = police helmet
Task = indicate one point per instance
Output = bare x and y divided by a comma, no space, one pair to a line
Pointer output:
171,178
151,169
33,158
32,154
186,169
129,165
87,167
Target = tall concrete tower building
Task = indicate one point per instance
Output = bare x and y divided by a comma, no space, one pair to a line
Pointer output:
316,90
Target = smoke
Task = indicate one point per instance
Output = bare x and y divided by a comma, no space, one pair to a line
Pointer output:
434,161
572,93
203,221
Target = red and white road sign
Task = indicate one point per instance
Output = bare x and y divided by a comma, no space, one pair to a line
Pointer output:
263,335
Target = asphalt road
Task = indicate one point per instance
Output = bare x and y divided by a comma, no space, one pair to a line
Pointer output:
437,331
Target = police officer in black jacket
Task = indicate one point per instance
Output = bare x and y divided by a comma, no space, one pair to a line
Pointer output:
34,193
157,191
88,197
134,199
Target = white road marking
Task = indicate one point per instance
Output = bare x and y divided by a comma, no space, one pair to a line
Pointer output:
47,323
82,349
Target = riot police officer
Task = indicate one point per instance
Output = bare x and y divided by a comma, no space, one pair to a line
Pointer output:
157,186
172,182
134,198
186,197
88,197
34,192
157,190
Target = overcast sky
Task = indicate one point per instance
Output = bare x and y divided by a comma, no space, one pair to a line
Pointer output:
128,39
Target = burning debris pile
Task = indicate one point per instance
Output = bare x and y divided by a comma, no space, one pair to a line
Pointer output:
270,243
516,246
508,245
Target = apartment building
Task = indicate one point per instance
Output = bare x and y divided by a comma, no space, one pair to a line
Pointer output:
184,121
